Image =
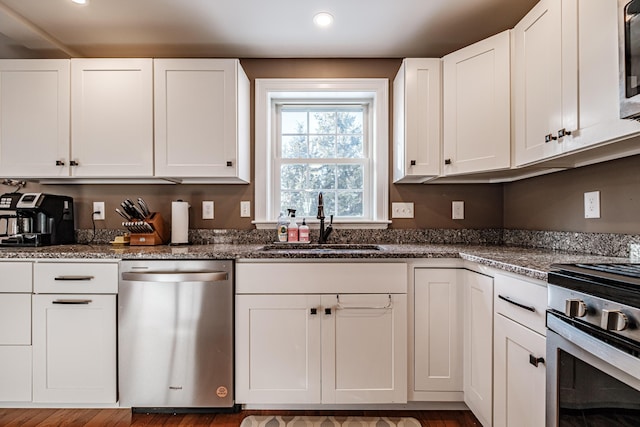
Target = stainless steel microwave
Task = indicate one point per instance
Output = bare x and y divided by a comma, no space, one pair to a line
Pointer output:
629,45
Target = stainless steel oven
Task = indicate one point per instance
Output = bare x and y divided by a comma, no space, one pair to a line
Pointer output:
593,345
629,56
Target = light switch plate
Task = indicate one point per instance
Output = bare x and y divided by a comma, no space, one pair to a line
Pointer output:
401,210
592,204
207,209
245,208
457,210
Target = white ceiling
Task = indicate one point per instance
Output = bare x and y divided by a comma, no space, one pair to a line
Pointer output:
250,28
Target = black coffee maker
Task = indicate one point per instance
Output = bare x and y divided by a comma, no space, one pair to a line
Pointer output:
42,220
8,216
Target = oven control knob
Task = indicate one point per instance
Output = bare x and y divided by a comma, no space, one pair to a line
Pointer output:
575,307
614,320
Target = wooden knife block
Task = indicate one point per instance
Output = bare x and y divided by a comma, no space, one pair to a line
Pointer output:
160,235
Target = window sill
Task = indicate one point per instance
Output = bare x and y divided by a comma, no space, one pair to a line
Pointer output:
371,225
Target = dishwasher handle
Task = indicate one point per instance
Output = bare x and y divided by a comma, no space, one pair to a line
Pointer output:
175,276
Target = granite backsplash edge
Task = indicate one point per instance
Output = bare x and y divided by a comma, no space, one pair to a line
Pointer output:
605,244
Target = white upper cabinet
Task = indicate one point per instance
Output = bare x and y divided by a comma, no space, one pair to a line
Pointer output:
34,118
417,121
477,107
566,83
112,117
599,107
202,120
545,80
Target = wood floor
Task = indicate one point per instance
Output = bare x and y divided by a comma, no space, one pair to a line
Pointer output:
124,418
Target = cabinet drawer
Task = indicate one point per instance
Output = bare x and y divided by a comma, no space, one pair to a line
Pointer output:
75,278
523,301
15,373
16,277
15,319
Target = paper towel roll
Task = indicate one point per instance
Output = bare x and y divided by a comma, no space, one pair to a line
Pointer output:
179,222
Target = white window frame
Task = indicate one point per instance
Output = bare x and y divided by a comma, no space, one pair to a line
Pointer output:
270,92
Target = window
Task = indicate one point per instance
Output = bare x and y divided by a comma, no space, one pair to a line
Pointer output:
322,148
328,136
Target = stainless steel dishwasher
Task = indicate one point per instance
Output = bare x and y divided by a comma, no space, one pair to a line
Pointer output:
175,334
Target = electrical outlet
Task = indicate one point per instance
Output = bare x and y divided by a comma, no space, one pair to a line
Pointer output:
457,210
401,210
245,208
98,211
592,204
207,209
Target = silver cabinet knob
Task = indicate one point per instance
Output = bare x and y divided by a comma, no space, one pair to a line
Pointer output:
563,132
575,307
614,320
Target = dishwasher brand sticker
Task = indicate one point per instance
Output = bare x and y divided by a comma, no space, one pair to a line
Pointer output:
222,391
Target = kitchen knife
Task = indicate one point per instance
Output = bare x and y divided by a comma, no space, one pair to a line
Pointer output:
134,210
128,210
144,207
123,215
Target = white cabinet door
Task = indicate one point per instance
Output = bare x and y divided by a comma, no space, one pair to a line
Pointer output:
74,348
477,107
364,348
34,118
112,117
478,345
545,79
519,386
599,106
278,348
437,330
15,319
416,114
201,119
15,373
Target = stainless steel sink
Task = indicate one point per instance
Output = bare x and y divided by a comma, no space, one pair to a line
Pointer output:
325,247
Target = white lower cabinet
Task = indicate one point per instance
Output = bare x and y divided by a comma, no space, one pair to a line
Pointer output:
74,354
338,347
16,284
74,333
321,348
478,345
437,303
519,352
519,398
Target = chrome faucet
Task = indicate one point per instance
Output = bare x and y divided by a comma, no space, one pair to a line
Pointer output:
324,233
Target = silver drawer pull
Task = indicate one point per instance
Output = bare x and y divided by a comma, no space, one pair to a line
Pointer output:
341,306
72,301
74,278
175,276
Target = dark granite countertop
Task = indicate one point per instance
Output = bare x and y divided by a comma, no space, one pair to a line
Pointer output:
534,263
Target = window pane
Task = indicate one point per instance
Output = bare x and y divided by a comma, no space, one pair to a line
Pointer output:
322,147
321,177
350,204
329,200
293,177
294,122
292,200
322,122
295,147
350,147
349,122
350,177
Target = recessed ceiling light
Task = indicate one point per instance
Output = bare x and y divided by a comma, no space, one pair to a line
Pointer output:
80,1
323,19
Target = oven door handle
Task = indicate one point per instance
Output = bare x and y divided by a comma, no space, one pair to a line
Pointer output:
603,351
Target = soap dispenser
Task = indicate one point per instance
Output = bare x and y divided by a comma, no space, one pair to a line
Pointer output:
282,228
292,229
303,232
